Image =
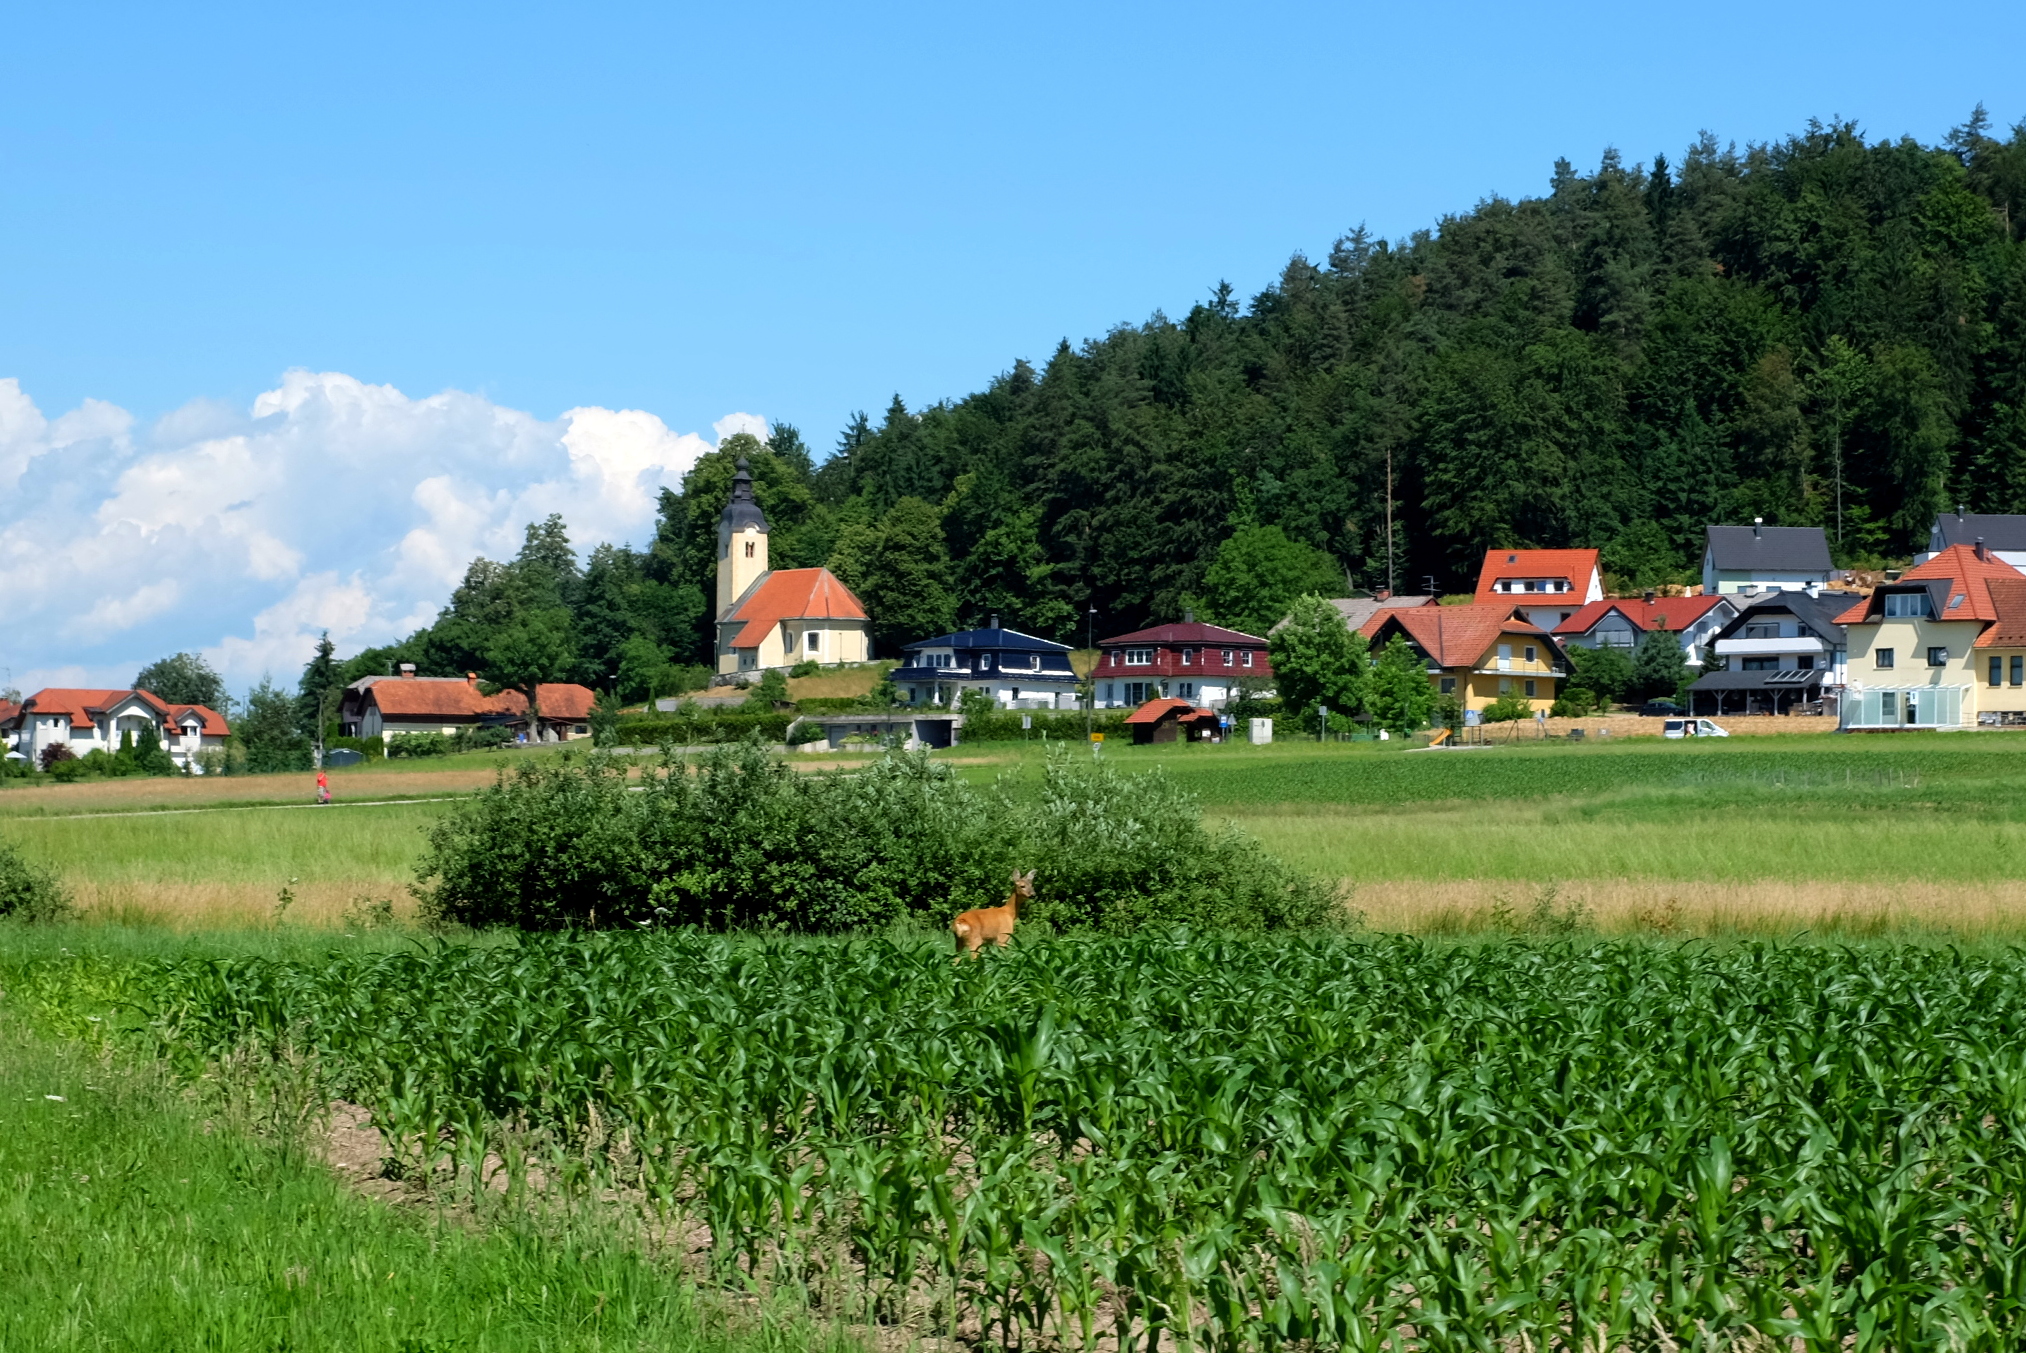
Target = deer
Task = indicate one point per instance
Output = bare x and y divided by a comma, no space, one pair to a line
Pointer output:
974,928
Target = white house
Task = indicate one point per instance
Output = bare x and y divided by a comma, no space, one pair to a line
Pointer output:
1019,671
94,720
1761,558
2003,535
1547,587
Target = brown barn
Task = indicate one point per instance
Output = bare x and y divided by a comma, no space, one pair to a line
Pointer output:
1170,721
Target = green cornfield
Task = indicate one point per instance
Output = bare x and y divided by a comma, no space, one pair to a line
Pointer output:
1223,1144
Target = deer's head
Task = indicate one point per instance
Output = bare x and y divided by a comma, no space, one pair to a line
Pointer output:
1023,884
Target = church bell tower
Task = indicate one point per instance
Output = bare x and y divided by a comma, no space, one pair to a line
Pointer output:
742,543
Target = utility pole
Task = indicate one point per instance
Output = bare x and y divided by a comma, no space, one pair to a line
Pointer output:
1389,517
1090,700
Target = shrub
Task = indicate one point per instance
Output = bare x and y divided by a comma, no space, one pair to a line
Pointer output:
1574,703
29,891
771,690
55,754
808,667
1003,725
1509,707
694,727
418,745
735,839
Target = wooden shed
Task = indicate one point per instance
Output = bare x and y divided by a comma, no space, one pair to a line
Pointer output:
1170,721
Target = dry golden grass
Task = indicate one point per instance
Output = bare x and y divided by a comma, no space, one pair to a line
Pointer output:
239,905
848,684
1685,907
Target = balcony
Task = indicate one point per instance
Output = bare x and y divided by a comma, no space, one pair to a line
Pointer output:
1768,648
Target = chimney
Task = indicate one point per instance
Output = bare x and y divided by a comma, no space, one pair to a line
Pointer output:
1959,511
471,679
995,622
1813,587
1982,552
1188,616
1756,523
1650,594
408,670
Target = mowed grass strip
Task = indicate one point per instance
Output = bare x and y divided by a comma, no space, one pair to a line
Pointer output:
130,1219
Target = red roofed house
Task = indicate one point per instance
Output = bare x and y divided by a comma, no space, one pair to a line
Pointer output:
1944,646
1550,586
1169,721
778,618
1620,623
1189,661
380,707
1477,653
99,720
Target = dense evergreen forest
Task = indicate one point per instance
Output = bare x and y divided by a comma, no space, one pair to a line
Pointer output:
1823,331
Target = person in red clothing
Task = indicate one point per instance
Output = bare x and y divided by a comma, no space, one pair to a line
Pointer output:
323,786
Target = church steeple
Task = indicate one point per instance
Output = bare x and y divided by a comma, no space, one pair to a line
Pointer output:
742,541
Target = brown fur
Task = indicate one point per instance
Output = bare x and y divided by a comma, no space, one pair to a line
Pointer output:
974,929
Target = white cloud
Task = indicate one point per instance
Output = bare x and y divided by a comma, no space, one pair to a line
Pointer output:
329,504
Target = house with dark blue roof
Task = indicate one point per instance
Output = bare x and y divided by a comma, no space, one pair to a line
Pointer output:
1017,670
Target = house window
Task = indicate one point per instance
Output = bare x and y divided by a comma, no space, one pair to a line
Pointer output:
749,549
1762,631
1938,657
1996,670
1888,707
1107,692
1448,685
1505,655
813,641
1881,657
1530,690
984,662
1530,653
1187,690
1764,665
1188,657
1139,657
2018,670
1505,685
1227,657
1805,663
1246,658
1907,605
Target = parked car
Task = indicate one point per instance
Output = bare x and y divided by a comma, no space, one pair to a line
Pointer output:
1660,709
1692,728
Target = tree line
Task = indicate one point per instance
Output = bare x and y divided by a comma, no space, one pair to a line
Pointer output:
1823,330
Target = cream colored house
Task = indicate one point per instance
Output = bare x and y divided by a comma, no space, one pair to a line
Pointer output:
777,618
1942,647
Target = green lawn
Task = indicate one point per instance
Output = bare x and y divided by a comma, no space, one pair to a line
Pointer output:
134,1217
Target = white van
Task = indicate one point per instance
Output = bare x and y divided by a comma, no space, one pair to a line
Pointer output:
1692,728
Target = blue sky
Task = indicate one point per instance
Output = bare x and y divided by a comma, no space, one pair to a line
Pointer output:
778,211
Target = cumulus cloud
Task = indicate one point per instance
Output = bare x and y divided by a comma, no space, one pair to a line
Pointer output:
330,503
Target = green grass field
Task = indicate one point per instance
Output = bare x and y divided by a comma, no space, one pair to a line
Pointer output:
1765,833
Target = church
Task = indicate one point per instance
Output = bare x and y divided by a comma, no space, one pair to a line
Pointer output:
777,617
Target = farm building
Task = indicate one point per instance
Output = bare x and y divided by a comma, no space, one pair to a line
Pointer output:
1190,661
1019,671
1548,586
1621,622
1478,653
1944,646
1761,558
768,618
380,707
1171,721
96,720
1782,653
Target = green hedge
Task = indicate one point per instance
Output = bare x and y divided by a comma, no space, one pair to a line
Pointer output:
1003,725
700,729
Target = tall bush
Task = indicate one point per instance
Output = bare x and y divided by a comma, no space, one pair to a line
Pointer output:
734,839
29,891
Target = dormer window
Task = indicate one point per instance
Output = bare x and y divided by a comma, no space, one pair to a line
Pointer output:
1907,605
1139,657
1227,657
1188,657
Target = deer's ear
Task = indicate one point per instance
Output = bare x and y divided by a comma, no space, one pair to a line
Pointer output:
1030,876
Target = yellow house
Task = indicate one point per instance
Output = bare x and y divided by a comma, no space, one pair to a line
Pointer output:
778,617
1478,653
1943,647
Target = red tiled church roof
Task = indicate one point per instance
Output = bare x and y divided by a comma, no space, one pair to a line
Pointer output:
793,594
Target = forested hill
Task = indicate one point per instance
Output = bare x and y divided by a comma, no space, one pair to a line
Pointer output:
1820,331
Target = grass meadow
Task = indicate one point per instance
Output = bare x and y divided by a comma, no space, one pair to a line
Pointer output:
1765,835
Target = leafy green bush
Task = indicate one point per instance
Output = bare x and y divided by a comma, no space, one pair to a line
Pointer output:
700,728
418,745
734,839
1574,703
808,667
1509,707
30,891
1003,725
